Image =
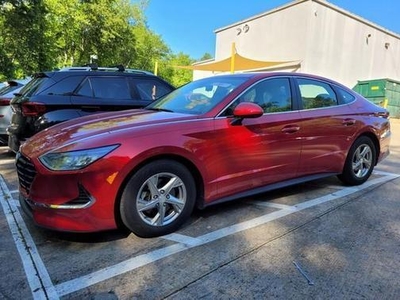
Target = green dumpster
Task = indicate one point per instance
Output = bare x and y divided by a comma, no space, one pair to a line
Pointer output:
383,92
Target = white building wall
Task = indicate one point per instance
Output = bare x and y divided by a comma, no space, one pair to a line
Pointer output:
325,39
347,48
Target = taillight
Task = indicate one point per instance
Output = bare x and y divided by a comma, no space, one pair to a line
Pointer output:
5,101
33,109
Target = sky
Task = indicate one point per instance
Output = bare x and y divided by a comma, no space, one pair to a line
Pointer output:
188,25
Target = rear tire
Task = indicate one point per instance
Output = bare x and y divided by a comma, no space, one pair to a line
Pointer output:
360,162
158,198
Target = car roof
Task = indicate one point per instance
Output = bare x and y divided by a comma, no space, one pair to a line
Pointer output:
265,74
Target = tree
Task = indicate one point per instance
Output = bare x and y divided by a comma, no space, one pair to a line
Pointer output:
176,76
23,27
206,56
57,33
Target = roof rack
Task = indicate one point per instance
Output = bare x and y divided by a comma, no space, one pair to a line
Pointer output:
94,67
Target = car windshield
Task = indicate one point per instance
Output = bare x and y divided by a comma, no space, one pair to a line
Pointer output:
198,97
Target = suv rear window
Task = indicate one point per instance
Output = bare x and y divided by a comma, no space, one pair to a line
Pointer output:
35,86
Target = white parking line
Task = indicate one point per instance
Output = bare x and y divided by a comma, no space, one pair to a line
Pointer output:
273,205
43,288
35,270
77,284
183,239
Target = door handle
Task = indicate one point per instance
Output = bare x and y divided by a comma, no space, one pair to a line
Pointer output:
348,122
290,129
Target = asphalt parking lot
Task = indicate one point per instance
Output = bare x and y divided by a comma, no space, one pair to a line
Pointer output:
317,240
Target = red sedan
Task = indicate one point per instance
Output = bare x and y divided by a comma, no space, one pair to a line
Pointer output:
212,140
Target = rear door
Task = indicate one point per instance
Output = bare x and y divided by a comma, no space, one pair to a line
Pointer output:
328,127
102,93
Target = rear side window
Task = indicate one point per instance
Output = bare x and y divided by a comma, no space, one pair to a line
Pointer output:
106,88
65,86
316,94
150,89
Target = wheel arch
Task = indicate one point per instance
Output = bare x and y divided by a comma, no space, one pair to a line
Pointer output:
192,168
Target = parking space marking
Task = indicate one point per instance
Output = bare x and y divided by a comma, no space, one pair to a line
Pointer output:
182,239
85,281
273,205
15,202
36,273
40,281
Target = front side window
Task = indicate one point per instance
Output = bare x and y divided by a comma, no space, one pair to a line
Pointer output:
150,89
110,87
316,94
106,87
85,89
273,95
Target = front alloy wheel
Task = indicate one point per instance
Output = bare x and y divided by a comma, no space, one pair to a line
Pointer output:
158,198
161,199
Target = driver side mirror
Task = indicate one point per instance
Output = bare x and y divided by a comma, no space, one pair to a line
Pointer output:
246,110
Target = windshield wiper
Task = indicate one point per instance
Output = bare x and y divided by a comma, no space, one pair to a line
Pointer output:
158,109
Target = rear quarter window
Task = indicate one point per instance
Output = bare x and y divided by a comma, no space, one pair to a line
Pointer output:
344,96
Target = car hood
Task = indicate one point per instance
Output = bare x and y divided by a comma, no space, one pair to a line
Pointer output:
92,126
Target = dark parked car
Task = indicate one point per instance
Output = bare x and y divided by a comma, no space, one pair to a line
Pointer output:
6,94
212,140
54,97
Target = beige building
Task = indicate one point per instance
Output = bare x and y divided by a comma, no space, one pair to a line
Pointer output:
315,37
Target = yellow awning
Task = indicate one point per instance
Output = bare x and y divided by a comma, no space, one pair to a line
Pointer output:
239,62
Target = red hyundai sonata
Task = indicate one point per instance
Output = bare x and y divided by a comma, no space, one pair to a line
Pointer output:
212,140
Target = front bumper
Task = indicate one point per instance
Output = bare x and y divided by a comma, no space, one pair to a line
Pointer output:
69,220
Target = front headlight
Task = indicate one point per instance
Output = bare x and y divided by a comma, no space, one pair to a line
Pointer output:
74,160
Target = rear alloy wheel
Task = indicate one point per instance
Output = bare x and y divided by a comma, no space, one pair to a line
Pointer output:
360,162
158,198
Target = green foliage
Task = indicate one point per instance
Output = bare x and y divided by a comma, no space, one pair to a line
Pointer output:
174,75
39,35
206,56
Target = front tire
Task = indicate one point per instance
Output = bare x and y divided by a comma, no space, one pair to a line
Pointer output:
158,198
360,162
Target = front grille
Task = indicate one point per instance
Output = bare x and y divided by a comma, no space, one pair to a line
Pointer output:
26,172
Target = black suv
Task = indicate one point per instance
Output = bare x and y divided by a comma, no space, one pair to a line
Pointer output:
57,96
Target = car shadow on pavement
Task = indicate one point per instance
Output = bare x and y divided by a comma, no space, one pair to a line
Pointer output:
88,238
